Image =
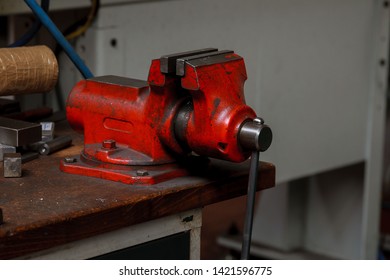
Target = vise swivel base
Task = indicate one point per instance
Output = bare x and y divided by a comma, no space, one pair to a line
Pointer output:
139,132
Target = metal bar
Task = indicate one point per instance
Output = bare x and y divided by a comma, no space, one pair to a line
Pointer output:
55,145
29,156
19,133
250,205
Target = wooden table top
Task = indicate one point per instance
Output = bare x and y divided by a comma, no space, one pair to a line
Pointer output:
47,208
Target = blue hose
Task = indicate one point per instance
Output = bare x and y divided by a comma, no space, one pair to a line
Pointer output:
56,33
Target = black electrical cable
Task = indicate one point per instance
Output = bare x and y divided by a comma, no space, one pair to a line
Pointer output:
26,37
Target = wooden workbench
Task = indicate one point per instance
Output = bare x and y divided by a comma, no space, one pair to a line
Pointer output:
48,208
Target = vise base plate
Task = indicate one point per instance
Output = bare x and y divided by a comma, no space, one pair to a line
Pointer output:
128,174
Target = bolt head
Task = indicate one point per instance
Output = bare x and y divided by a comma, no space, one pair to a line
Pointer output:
70,160
142,172
109,144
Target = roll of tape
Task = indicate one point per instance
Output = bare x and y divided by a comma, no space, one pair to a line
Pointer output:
27,70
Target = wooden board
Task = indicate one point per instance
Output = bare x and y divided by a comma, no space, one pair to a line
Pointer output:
47,208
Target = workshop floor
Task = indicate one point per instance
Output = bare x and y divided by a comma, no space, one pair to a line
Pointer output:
219,219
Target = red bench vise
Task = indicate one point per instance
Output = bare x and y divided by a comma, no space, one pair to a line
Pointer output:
141,132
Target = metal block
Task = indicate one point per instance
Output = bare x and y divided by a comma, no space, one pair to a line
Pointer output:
47,130
19,133
12,165
6,149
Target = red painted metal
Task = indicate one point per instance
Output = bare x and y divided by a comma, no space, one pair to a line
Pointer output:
128,122
217,92
128,113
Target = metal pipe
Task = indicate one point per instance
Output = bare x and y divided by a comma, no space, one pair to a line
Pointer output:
54,145
256,136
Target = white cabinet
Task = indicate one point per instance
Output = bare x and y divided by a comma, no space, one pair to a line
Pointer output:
317,73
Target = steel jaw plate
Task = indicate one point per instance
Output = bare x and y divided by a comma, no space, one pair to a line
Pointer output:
175,63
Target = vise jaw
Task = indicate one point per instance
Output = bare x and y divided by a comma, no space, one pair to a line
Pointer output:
192,102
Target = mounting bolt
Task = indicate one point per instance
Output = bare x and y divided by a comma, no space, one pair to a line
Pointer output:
109,144
70,160
142,172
